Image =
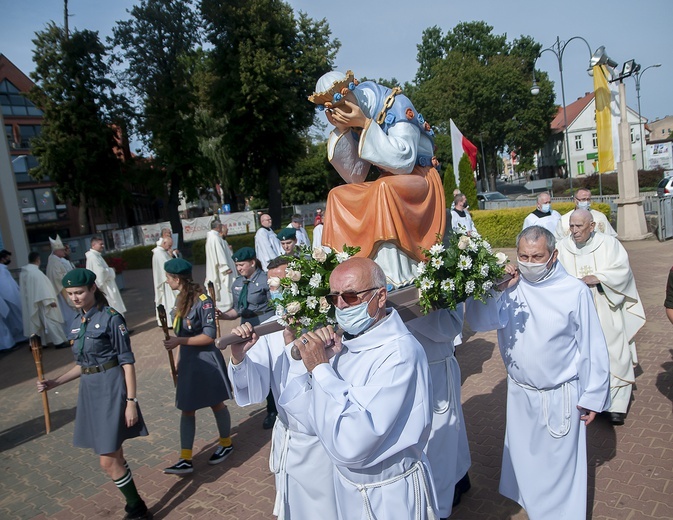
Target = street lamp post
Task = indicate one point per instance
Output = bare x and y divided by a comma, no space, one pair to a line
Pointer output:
557,49
637,75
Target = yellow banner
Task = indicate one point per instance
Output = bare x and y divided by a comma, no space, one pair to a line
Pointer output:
606,156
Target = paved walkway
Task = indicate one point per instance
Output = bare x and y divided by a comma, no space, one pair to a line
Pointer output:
44,477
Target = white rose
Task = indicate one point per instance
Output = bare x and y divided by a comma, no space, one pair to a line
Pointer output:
324,305
315,280
463,242
274,282
342,257
293,308
319,254
501,258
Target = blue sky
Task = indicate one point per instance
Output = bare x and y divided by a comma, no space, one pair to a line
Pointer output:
379,37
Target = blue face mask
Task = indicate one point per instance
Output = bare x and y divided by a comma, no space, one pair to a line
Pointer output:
545,208
275,295
584,204
355,319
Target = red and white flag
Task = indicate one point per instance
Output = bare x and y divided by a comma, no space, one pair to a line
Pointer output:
459,146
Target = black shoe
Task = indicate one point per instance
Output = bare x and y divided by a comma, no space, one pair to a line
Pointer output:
616,418
269,420
183,467
139,512
220,454
462,486
65,344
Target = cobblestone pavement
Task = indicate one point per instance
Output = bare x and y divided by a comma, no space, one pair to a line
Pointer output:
44,477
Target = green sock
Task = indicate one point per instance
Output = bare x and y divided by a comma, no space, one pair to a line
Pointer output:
128,489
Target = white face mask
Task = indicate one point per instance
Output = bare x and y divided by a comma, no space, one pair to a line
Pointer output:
355,319
584,204
533,272
545,208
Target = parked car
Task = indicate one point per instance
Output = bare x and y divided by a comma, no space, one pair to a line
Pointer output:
665,187
488,196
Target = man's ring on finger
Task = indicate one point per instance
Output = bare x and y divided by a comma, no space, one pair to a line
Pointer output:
304,341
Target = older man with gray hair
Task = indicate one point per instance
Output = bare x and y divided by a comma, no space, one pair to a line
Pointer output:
557,377
601,262
543,215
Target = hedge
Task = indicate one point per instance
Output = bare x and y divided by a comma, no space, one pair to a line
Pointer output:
501,226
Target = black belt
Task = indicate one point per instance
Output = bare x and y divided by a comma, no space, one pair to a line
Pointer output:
101,368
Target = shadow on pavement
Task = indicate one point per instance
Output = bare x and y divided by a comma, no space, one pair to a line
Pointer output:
23,366
665,379
601,448
472,355
34,428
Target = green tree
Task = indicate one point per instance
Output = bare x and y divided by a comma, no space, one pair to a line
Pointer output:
83,118
449,183
310,178
158,45
466,179
266,62
483,83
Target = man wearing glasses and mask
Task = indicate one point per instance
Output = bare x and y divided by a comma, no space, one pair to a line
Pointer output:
557,377
582,200
370,405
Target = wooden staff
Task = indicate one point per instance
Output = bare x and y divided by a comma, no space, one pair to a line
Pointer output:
36,349
211,293
164,325
404,301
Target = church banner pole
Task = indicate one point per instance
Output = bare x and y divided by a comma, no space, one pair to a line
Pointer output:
36,349
161,310
211,293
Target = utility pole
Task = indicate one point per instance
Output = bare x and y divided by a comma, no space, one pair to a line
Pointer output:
65,19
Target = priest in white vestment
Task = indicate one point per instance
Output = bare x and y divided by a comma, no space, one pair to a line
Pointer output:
267,245
57,267
461,220
11,331
602,263
163,294
41,314
297,223
105,275
302,469
220,266
448,450
371,406
557,377
543,215
582,200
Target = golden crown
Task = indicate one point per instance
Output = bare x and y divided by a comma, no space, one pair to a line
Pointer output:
335,93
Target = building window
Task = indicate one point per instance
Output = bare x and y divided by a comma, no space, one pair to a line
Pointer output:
39,205
633,135
594,140
27,133
10,136
580,167
14,103
578,143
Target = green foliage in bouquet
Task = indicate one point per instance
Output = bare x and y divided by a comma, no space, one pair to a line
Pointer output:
303,304
465,267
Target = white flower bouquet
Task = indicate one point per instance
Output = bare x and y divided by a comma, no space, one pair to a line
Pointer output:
303,304
465,267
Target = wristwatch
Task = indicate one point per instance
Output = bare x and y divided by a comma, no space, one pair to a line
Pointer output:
132,399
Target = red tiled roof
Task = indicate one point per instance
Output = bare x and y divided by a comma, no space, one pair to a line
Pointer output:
572,111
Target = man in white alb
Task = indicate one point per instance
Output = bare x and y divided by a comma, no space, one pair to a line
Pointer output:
297,223
40,311
220,265
461,220
582,200
557,377
105,275
371,406
163,294
543,215
57,267
601,262
11,321
267,245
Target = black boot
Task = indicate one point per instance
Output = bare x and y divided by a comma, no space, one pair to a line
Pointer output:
462,486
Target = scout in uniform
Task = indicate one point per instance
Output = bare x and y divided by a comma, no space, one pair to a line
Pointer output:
107,407
202,379
288,241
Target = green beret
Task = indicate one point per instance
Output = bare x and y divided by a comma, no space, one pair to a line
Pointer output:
79,278
245,253
178,266
287,234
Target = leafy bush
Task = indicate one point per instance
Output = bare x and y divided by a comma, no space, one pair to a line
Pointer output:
500,227
139,257
647,181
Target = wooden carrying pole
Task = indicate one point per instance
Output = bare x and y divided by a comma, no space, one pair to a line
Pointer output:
404,301
36,349
164,325
211,293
